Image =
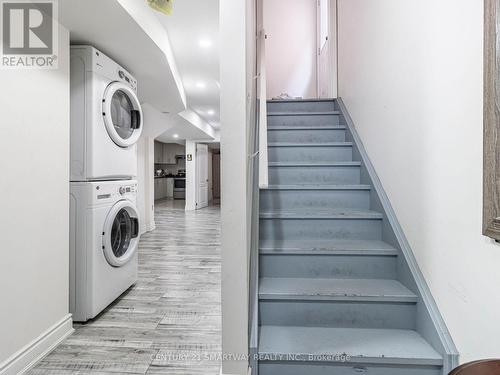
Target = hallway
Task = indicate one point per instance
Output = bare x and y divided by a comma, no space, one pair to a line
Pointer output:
169,321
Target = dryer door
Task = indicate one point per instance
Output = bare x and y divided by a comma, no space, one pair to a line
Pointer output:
122,114
121,233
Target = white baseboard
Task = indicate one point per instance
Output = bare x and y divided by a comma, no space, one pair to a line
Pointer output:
27,357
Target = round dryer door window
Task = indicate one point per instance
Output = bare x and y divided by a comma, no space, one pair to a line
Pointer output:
121,234
122,114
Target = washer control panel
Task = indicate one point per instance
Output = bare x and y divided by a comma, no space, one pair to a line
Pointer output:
111,191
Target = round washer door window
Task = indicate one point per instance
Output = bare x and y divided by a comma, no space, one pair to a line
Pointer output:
121,234
122,114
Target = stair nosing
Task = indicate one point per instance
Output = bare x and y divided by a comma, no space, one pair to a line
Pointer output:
312,252
302,113
313,164
319,100
341,215
312,144
337,247
409,297
313,127
338,187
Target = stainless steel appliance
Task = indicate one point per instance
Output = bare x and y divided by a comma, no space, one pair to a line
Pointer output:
179,188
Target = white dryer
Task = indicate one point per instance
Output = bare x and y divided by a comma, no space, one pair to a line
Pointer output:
106,118
104,238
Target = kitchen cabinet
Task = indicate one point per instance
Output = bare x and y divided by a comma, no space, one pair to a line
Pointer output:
157,191
169,152
165,153
170,188
158,152
164,188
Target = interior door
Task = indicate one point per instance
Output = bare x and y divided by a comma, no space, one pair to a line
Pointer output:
323,48
201,176
216,175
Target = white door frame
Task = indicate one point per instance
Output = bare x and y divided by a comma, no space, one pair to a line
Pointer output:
201,194
332,47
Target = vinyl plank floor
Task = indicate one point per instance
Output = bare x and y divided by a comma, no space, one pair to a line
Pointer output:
169,322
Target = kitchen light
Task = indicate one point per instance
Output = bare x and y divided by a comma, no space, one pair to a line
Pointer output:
211,112
176,136
205,43
200,85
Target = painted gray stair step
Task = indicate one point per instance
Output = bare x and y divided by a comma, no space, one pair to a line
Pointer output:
354,290
293,228
306,134
322,214
368,346
333,266
326,105
303,118
344,368
315,197
326,247
353,303
337,314
289,173
310,153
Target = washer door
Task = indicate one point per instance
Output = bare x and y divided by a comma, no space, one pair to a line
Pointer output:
121,233
122,114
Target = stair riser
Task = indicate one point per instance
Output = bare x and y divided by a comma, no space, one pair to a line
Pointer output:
303,120
280,368
338,314
310,154
314,175
317,229
306,136
323,106
328,266
314,199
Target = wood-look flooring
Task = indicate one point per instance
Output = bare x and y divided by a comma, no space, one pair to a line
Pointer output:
169,322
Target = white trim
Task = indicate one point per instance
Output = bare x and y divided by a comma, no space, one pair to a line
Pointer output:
31,354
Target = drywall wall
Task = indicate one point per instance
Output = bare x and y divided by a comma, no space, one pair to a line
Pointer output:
410,73
238,93
155,123
34,223
145,183
291,47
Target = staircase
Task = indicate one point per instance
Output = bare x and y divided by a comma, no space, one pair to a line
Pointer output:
330,296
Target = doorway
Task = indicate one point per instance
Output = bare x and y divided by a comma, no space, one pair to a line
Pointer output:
300,48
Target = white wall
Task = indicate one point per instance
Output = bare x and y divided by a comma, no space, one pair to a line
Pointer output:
410,73
145,182
155,123
291,47
34,223
237,33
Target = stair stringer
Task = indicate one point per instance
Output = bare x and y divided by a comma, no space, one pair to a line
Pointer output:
430,323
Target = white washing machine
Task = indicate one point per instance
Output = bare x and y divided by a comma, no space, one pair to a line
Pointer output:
104,238
106,118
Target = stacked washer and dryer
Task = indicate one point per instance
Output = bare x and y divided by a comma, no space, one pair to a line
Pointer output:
106,123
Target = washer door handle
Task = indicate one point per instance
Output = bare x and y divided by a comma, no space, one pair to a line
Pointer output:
135,227
136,119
